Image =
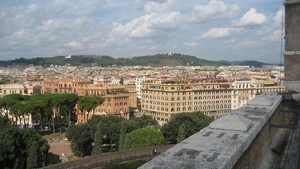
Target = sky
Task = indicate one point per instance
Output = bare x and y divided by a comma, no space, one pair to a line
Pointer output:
232,30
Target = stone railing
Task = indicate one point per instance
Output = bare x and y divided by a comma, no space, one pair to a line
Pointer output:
237,140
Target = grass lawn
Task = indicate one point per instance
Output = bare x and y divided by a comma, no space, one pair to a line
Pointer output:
50,135
71,158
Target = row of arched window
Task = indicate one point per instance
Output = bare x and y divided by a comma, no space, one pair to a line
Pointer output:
178,109
189,98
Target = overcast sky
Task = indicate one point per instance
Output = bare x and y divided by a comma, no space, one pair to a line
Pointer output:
209,29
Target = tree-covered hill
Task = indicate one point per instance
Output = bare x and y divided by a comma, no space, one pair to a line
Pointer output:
157,60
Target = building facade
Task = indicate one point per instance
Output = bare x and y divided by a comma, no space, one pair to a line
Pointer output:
118,99
28,88
214,97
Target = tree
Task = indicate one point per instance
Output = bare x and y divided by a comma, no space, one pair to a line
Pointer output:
140,122
32,159
13,104
88,103
7,101
193,122
127,142
80,138
12,148
150,143
121,81
17,110
111,128
62,100
139,138
37,105
15,145
67,108
98,139
181,133
122,135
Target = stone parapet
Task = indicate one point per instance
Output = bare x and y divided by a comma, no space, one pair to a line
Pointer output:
228,147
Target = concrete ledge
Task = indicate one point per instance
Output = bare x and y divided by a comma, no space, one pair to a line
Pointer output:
291,2
231,122
219,148
291,53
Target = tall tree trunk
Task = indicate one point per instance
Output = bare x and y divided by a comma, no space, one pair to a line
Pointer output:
24,120
87,116
69,118
53,124
41,120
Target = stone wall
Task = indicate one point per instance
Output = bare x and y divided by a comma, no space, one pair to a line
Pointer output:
253,156
238,140
111,158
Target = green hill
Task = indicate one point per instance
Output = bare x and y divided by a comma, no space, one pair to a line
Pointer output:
157,60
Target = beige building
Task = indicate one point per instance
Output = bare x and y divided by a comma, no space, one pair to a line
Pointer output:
214,97
28,88
118,99
24,89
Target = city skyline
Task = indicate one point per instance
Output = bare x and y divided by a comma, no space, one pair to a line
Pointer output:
239,30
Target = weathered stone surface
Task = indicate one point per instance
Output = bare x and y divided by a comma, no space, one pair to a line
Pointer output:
260,101
231,122
222,148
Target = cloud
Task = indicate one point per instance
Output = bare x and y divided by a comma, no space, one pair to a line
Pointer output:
74,45
150,27
219,33
230,41
215,10
89,7
138,27
275,36
251,18
279,18
251,44
151,6
77,7
191,44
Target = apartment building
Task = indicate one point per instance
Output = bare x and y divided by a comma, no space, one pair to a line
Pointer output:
118,99
246,89
214,97
20,88
27,88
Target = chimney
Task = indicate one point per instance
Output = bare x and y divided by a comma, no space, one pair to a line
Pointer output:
292,48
